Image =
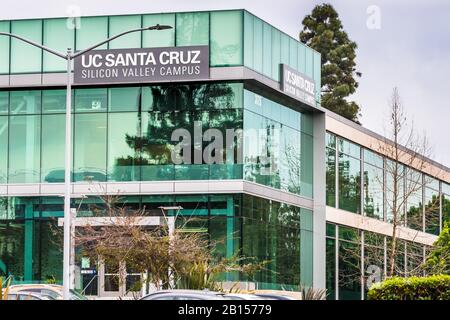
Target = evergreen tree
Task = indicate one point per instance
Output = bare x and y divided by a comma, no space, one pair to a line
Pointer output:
323,31
438,261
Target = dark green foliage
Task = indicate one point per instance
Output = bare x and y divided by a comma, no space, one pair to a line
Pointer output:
323,31
438,261
435,287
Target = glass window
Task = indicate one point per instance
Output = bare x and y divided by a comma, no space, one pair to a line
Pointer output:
124,99
445,209
373,158
306,167
331,230
330,140
373,258
301,57
90,147
4,48
331,268
373,191
54,101
331,177
26,58
349,265
317,74
92,30
293,60
431,182
432,209
192,29
414,259
258,50
284,38
53,146
414,207
226,47
267,51
13,247
25,102
3,149
57,36
123,147
4,102
349,171
119,24
309,62
248,39
24,149
90,100
349,148
157,128
158,38
47,253
445,188
276,54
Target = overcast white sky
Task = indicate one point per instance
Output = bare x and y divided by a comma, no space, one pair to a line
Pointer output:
411,50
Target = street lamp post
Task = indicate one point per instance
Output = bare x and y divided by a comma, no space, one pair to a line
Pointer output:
69,57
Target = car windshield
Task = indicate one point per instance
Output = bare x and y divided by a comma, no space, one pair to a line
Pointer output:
76,296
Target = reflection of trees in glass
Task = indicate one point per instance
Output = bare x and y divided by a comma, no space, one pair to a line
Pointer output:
432,208
331,177
330,275
271,232
445,209
373,191
178,106
349,270
11,249
263,165
349,183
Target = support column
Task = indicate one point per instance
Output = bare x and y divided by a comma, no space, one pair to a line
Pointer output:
28,239
230,232
319,193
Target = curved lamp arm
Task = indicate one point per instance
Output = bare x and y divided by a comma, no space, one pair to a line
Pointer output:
56,53
79,53
155,27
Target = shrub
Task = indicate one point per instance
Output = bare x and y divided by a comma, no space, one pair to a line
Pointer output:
436,287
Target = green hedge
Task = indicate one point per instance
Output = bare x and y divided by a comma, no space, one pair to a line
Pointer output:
435,287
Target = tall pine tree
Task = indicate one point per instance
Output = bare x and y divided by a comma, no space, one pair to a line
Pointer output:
323,31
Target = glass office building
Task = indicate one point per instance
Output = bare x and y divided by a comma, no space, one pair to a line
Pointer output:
283,188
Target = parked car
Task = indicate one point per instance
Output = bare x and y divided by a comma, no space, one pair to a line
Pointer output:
273,296
185,295
52,290
25,295
277,294
244,296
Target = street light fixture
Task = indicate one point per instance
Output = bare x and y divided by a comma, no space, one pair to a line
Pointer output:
69,56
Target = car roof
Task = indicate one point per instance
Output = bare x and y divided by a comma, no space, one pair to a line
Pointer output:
191,293
247,296
31,294
185,291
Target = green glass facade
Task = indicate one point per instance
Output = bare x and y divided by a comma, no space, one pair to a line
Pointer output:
249,41
364,179
31,242
123,134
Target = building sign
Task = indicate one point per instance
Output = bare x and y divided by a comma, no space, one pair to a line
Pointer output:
298,85
142,65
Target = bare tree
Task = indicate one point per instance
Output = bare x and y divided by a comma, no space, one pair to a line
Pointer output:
406,152
167,258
